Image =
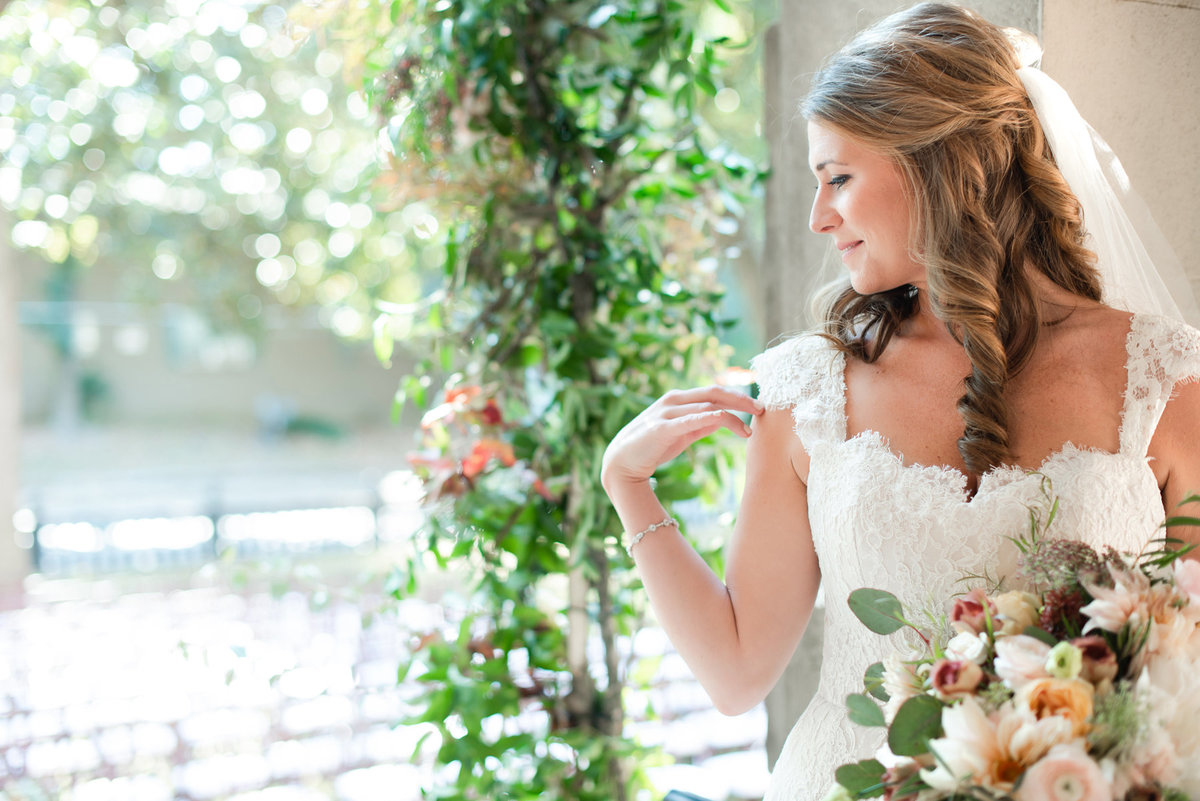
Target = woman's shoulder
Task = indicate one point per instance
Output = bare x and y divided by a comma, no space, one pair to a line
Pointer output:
1164,346
797,368
1147,344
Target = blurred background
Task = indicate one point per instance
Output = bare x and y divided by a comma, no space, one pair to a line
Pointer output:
208,473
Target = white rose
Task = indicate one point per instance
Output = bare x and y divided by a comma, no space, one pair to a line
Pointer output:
967,647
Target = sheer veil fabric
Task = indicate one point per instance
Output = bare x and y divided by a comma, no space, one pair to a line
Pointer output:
1138,269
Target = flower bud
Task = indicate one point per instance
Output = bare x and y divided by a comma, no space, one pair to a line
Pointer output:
954,679
971,611
1099,661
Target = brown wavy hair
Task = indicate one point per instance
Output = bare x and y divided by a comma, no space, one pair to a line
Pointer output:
935,88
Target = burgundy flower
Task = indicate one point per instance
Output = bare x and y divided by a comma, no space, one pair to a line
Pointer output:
1099,661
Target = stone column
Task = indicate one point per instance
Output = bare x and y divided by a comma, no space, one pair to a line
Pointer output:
795,259
1133,70
14,561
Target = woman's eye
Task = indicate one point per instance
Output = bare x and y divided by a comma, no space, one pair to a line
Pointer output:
838,180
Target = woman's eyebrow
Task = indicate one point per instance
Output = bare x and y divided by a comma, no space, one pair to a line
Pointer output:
825,164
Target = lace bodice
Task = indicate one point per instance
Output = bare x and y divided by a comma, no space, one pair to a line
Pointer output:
915,530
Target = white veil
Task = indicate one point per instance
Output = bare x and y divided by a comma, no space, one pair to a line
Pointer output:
1139,271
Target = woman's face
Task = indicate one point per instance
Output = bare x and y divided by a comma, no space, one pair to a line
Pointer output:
862,203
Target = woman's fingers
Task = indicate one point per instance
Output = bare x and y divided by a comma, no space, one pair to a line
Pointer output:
673,423
701,422
688,409
716,396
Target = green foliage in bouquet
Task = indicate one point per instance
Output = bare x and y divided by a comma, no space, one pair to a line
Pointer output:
573,196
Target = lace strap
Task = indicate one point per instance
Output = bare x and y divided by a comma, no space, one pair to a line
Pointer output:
806,374
1162,353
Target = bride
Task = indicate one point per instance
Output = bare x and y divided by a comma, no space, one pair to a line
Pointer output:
980,338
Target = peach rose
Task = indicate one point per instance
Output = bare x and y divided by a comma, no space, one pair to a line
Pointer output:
1017,610
1068,698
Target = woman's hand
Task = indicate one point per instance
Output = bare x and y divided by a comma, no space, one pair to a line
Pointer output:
668,426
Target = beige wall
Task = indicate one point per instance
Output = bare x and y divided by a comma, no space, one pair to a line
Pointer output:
1133,69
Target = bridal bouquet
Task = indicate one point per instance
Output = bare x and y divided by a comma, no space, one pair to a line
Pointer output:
1083,688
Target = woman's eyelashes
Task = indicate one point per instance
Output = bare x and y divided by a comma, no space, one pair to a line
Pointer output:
836,181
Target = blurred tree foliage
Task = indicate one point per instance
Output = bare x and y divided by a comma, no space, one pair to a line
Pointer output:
577,194
197,152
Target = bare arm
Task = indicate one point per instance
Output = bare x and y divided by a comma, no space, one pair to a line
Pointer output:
1175,451
737,635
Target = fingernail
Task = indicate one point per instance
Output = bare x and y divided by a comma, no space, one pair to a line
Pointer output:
747,429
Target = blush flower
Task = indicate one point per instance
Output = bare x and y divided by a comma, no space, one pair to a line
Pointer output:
990,751
1099,662
1187,579
1134,601
1175,708
1067,773
1020,659
901,681
971,612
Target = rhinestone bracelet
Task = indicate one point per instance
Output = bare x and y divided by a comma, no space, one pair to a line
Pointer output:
634,539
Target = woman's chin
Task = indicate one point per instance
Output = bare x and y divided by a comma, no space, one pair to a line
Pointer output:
868,285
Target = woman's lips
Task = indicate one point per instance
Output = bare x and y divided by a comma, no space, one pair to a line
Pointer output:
847,248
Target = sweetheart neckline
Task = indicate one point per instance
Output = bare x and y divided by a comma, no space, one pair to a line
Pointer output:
956,480
961,479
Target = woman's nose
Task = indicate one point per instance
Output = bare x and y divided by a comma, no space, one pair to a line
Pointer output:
822,219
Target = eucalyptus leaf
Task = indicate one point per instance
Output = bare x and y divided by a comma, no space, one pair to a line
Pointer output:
862,779
917,721
878,610
864,711
873,682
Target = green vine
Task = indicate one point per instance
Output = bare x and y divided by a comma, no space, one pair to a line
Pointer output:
578,193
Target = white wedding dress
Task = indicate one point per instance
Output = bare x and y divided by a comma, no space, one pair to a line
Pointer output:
913,530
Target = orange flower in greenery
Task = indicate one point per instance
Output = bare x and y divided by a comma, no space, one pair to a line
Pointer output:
465,402
482,454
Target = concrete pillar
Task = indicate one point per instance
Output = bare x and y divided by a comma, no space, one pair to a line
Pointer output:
1133,70
794,258
14,561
